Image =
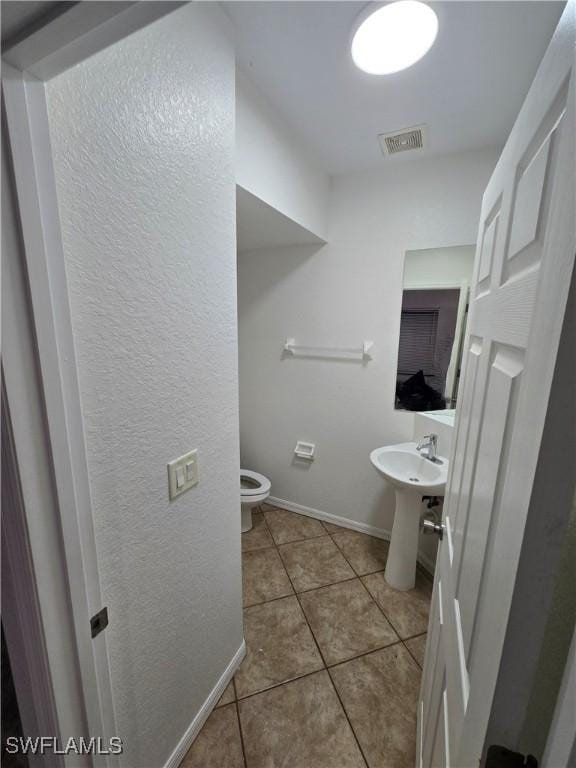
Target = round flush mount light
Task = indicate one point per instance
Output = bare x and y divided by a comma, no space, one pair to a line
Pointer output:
394,37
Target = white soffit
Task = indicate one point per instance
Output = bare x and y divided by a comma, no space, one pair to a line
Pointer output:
259,225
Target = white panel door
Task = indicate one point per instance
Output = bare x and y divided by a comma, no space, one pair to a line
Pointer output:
524,262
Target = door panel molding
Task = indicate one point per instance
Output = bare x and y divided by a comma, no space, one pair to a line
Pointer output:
524,262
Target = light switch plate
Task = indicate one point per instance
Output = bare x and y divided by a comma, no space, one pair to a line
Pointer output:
183,474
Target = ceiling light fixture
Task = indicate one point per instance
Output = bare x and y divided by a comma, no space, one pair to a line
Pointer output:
394,37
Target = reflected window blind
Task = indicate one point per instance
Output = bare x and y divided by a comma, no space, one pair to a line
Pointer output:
418,329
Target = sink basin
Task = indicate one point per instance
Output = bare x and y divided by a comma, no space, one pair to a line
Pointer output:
412,476
404,467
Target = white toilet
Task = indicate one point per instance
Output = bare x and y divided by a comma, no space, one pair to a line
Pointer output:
254,490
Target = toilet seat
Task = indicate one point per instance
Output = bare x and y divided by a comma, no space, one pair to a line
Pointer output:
256,484
254,490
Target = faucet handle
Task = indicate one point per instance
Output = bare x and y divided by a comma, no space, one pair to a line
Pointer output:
432,444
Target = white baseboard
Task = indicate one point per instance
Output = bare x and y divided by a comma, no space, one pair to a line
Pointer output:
345,522
194,728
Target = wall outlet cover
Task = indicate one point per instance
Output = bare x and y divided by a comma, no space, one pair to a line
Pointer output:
182,474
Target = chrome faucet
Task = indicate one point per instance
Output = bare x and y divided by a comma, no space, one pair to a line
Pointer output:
429,444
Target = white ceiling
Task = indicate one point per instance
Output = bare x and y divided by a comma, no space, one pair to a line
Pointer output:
468,88
258,225
18,16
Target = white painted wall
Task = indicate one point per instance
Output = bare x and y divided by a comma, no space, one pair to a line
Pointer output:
143,136
439,266
440,423
272,164
340,294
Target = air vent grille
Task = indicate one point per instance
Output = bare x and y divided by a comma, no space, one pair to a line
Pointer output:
403,141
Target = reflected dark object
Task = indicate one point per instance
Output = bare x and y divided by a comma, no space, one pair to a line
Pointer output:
433,315
415,395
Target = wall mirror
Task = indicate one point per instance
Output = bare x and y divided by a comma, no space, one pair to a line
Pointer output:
432,327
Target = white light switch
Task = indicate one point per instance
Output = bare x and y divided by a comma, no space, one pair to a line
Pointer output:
183,473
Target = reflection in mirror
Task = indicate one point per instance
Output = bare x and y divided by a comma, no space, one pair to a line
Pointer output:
432,327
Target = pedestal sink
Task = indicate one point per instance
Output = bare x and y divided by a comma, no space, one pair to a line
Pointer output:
412,476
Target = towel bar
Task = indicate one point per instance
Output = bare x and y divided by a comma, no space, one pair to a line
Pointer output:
345,353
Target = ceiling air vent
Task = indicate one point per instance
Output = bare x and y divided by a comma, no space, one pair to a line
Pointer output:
403,141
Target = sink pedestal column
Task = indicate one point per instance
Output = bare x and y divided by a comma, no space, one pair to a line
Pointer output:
401,564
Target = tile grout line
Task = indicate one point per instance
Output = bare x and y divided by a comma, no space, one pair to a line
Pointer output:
284,543
300,541
328,533
324,660
337,692
312,589
413,637
404,643
343,529
383,612
237,705
279,685
413,657
237,701
271,600
343,554
361,580
423,572
364,653
358,576
306,591
326,667
236,697
369,573
398,641
402,639
296,596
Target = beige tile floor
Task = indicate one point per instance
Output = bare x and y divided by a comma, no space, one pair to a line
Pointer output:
334,655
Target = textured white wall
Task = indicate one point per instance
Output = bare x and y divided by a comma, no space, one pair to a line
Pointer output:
273,165
143,136
339,295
